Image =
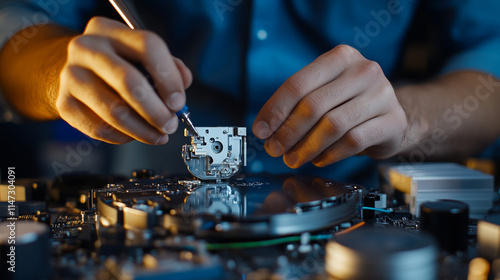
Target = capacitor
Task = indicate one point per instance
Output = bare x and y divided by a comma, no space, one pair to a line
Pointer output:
27,248
488,238
369,201
447,221
479,269
380,254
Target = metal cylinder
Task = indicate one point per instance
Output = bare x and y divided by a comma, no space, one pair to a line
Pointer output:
447,221
27,248
382,254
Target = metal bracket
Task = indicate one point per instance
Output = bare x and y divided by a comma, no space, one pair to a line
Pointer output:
217,153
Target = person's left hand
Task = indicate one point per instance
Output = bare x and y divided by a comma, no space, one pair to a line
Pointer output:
338,106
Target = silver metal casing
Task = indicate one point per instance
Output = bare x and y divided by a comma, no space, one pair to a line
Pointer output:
217,153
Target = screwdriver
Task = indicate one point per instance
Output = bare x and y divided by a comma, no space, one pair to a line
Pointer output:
132,21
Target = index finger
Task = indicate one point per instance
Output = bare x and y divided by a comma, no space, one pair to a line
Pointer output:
151,51
321,71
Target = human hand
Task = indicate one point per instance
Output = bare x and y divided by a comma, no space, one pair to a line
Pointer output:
105,96
338,106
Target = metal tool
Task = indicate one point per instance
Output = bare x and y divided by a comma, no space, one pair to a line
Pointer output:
133,22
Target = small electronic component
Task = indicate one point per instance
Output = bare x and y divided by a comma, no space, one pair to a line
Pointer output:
447,221
488,237
381,253
433,181
216,153
258,226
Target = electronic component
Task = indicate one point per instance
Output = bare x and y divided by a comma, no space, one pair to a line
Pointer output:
25,248
250,206
488,237
433,181
243,227
479,269
215,153
448,221
382,253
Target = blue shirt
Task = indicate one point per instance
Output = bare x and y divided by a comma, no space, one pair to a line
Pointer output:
243,51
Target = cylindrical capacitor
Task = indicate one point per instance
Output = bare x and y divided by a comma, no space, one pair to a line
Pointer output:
448,221
479,269
382,254
488,238
26,246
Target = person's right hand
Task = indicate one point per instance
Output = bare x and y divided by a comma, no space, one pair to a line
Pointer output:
105,96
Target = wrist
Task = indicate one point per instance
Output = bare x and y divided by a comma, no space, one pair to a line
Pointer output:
419,125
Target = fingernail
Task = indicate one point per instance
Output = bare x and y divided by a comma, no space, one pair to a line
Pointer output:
176,101
273,147
291,159
262,130
162,140
171,126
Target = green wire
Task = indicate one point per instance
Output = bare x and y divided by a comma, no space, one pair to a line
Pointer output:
262,243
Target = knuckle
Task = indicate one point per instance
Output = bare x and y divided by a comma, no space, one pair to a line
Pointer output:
117,112
355,139
310,106
386,92
286,133
277,115
294,86
101,131
77,43
158,117
372,135
149,41
356,113
70,74
96,134
66,74
96,23
344,50
312,146
123,74
85,44
62,105
334,123
370,68
114,115
130,80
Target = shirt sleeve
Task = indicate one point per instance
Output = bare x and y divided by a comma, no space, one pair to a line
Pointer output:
473,32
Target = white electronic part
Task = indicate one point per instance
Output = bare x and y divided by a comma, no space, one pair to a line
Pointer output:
433,181
381,201
217,153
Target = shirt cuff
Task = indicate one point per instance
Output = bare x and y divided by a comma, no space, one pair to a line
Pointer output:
484,58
